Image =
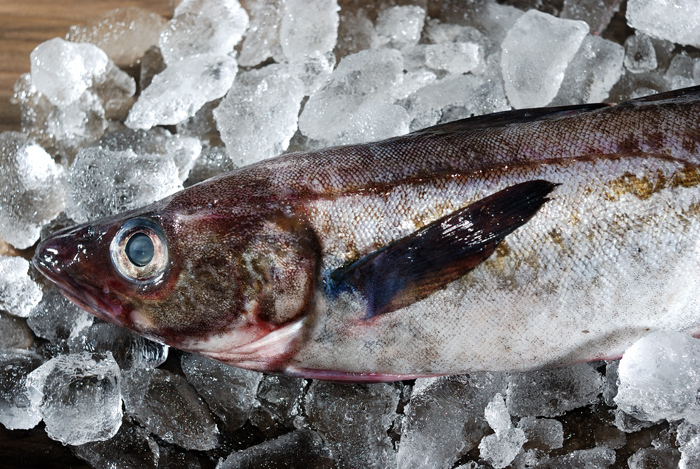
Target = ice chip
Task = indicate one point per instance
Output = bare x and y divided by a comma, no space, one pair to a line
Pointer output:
183,150
640,55
552,392
688,440
14,333
16,411
445,419
597,13
659,377
492,19
353,421
598,458
63,70
501,448
258,116
314,71
535,54
363,77
676,20
181,90
399,26
593,71
212,162
103,182
543,434
262,36
374,121
645,458
355,32
681,72
57,318
18,292
132,447
228,391
78,396
124,34
201,27
308,26
453,57
277,404
130,350
32,188
169,407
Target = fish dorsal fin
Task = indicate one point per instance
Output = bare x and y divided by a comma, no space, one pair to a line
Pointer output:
413,267
517,116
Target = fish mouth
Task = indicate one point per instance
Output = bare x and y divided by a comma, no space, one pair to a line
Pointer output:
87,297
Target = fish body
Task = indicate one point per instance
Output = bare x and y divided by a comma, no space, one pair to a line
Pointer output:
504,242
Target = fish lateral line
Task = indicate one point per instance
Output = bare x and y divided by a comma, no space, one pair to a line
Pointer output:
425,261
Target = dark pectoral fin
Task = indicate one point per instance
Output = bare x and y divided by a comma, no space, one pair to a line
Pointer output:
413,267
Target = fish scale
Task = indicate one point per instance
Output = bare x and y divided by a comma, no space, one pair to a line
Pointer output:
512,241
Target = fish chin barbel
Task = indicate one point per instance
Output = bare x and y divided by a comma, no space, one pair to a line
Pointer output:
511,241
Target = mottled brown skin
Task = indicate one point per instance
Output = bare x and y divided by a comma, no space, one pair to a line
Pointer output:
245,255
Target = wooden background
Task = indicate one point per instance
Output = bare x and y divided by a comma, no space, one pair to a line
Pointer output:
24,24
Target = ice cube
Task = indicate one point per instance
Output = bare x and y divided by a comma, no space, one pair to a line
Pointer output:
640,55
314,71
262,36
57,318
501,448
355,32
652,457
593,71
124,34
18,292
552,392
278,404
63,70
152,64
675,21
353,420
453,57
374,121
399,26
610,383
681,72
103,182
308,26
597,13
181,90
258,116
535,54
492,19
598,458
659,377
130,350
688,440
78,396
228,391
543,434
14,333
32,187
300,448
363,77
445,419
16,411
212,162
201,27
168,406
131,447
183,150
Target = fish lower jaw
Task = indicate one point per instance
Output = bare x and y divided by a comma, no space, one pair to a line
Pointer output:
270,352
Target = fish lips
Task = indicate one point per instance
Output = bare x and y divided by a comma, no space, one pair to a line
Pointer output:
58,258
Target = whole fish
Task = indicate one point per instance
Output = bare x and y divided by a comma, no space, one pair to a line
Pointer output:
511,241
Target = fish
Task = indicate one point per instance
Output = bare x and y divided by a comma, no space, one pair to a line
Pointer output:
507,242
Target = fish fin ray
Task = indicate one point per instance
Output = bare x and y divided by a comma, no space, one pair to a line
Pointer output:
423,262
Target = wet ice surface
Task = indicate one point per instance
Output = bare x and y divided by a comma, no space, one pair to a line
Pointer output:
238,83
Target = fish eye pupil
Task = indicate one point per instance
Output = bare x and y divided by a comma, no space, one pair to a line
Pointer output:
139,249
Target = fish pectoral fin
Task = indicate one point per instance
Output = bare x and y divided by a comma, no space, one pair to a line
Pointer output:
413,267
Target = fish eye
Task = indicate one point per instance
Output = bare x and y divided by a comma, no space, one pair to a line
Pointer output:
139,251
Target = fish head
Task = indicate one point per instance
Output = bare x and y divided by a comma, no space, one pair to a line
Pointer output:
210,278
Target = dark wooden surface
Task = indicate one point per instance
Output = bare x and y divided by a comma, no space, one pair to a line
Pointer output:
24,24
